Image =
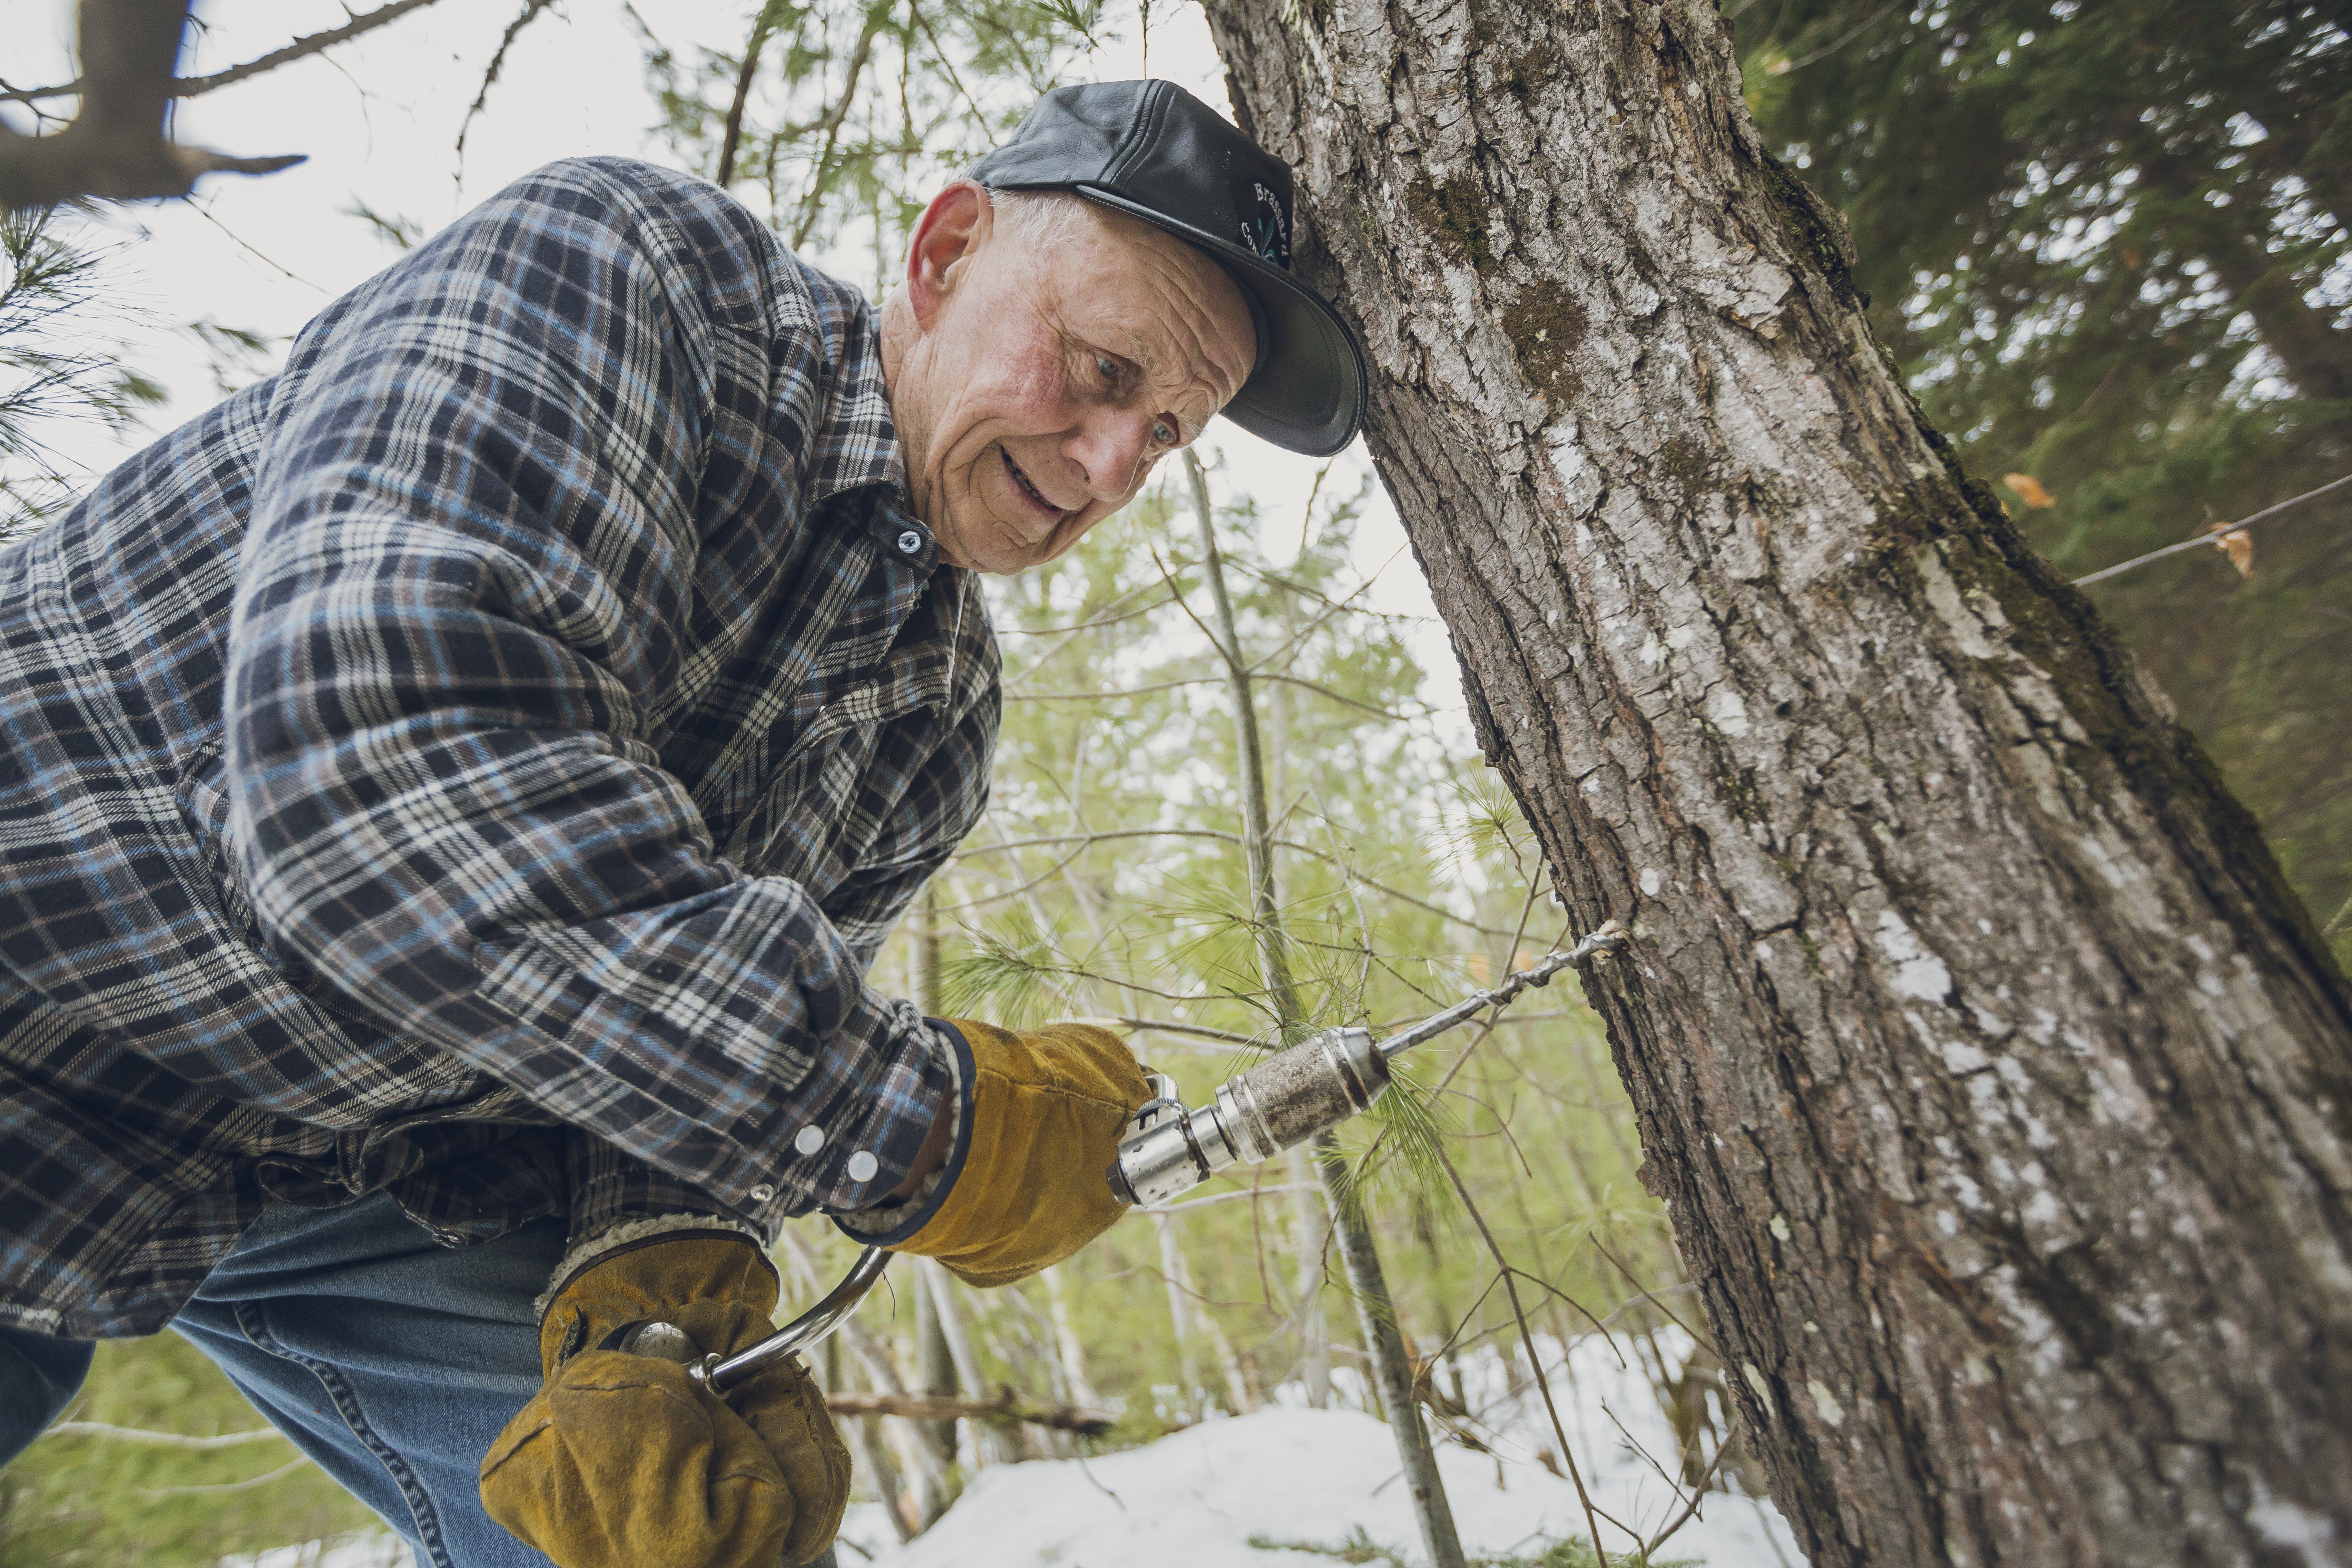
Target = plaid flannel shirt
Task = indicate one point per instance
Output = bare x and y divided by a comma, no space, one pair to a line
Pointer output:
481,762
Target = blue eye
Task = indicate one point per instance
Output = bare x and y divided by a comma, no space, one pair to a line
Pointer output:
1162,433
1108,368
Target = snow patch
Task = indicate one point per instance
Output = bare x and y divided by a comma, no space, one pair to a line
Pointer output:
1311,1477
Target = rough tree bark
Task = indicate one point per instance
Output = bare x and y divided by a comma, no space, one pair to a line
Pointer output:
2000,1090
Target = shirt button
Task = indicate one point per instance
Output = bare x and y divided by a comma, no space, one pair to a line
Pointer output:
811,1139
909,543
863,1164
763,1192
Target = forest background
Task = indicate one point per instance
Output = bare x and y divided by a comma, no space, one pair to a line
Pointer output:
2106,243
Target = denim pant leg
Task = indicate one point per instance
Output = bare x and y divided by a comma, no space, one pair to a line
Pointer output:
39,1375
391,1360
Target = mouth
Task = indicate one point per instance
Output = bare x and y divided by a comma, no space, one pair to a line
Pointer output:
1021,485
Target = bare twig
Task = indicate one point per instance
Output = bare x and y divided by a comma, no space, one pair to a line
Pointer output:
1249,1194
2208,541
970,850
1697,1339
288,1467
1690,1509
531,10
1633,1443
2336,922
1376,1312
1535,1357
1108,693
147,1440
191,86
1166,1026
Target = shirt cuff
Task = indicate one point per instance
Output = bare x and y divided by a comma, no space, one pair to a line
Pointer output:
888,1224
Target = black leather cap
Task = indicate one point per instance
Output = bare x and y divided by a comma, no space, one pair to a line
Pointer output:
1153,151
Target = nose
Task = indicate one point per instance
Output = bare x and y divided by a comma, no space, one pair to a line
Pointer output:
1109,445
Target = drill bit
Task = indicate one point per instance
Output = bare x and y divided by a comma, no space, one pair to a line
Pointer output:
1610,934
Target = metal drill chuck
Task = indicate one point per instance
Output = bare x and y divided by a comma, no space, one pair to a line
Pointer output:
1256,1115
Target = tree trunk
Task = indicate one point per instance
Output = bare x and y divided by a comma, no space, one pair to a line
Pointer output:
2000,1090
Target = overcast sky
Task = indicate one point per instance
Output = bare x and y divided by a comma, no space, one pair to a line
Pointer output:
379,119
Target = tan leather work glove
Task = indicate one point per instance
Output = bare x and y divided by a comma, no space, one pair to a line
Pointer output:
1044,1112
621,1461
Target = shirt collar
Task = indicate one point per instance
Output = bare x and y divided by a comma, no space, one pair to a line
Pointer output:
859,448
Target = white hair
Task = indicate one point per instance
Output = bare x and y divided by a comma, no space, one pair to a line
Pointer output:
1041,220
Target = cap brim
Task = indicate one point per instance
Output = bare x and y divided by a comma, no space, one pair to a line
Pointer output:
1305,393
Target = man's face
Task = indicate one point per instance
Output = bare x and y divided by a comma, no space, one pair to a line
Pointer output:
1037,371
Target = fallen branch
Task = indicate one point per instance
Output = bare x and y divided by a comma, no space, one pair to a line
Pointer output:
1006,1409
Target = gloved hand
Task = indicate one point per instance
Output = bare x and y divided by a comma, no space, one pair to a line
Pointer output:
1046,1106
621,1461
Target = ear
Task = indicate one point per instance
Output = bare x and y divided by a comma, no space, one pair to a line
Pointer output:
950,234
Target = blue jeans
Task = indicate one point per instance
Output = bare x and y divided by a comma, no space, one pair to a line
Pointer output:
391,1360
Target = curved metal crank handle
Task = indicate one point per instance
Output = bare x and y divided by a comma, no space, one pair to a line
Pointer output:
651,1336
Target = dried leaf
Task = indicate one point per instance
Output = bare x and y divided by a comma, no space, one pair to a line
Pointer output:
2239,547
2028,491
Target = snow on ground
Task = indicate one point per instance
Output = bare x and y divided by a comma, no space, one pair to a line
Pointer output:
1196,1499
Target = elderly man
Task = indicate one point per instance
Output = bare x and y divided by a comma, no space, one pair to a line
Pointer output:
453,791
